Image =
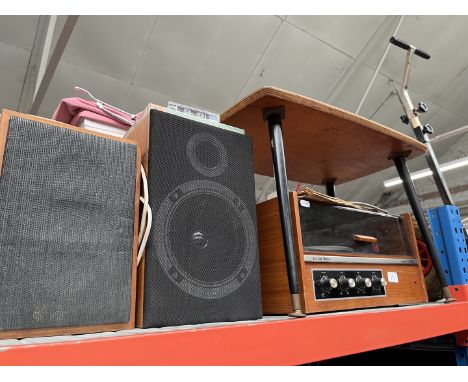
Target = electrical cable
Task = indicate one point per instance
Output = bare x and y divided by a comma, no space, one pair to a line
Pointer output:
371,206
102,106
146,235
146,218
145,205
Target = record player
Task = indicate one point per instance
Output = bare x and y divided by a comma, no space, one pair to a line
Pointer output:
347,256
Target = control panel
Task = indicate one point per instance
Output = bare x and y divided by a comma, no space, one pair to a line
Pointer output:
335,283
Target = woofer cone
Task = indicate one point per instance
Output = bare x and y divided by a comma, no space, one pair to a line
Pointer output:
205,239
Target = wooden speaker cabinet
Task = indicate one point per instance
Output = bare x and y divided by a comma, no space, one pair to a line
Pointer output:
346,258
69,207
201,263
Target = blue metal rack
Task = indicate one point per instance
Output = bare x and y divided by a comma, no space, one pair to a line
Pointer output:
449,239
450,243
462,356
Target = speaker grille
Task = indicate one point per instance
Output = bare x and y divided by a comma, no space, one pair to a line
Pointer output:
202,258
66,228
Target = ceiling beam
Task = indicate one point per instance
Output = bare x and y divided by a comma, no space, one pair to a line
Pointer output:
372,43
377,70
45,52
37,61
53,62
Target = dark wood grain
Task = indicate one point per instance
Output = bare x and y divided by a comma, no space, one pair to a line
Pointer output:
276,297
140,133
29,333
3,136
321,141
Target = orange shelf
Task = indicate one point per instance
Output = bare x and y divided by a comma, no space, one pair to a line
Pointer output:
271,341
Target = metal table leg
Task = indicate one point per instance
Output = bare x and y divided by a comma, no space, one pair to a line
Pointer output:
434,166
400,164
330,187
274,118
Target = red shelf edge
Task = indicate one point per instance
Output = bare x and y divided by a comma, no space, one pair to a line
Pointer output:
282,342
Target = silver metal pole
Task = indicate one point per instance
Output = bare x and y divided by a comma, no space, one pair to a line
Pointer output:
376,38
371,82
453,133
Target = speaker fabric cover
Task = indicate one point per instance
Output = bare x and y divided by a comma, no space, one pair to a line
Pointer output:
67,205
201,263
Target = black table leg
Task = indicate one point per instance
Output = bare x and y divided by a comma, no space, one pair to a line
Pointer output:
274,118
400,164
330,187
433,164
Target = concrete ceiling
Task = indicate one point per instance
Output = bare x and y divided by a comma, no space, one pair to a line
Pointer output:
212,61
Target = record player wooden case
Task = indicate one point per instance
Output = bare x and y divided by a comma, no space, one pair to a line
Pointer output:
374,262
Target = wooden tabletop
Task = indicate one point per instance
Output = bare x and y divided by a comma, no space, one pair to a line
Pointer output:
321,141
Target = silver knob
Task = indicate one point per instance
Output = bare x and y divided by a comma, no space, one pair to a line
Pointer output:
378,282
363,282
346,283
328,284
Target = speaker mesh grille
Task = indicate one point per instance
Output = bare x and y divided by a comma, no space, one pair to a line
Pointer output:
66,228
202,258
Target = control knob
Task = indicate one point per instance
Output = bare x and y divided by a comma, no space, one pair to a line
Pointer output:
378,282
346,283
327,284
363,282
